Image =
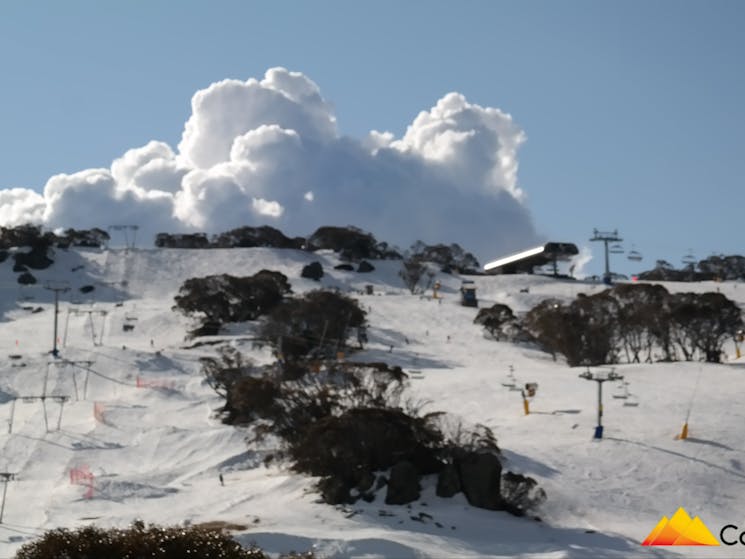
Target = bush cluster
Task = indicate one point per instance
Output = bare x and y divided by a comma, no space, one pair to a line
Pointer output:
501,323
225,298
242,237
351,243
450,258
635,321
137,542
346,421
715,267
316,324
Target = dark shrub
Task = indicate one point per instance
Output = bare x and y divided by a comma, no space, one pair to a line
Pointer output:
318,323
643,320
263,236
594,330
226,298
223,371
520,493
3,255
664,271
501,323
26,279
182,240
87,288
347,421
277,278
345,267
585,331
725,268
702,322
207,328
413,271
250,398
450,258
350,242
313,271
25,236
93,238
92,542
36,259
366,439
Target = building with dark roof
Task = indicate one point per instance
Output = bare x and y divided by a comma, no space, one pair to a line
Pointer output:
525,261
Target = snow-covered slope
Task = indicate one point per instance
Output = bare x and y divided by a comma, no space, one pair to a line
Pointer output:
139,429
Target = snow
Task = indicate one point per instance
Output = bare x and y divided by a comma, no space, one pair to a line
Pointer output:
155,449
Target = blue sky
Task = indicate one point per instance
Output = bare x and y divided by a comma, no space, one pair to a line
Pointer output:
633,111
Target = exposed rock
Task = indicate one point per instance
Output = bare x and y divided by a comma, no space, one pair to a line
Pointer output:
480,476
346,267
403,484
448,482
334,491
365,481
87,288
365,267
313,271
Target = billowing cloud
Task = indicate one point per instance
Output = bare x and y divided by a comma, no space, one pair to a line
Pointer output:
579,263
19,206
269,152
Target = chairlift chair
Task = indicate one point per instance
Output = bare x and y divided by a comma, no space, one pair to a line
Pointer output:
631,401
616,249
622,391
634,255
511,380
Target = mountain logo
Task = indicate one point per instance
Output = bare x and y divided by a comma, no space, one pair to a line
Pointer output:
680,530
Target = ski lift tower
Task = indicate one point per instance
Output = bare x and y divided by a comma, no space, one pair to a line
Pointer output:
5,477
600,377
129,243
58,287
606,237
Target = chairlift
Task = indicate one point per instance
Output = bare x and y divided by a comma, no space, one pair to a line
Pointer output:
616,249
511,380
622,391
631,401
634,255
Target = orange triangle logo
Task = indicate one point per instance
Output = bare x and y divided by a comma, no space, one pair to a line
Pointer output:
681,529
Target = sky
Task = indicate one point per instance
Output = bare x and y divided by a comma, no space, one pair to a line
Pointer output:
497,124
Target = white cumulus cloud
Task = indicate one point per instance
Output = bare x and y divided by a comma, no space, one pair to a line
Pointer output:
259,152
